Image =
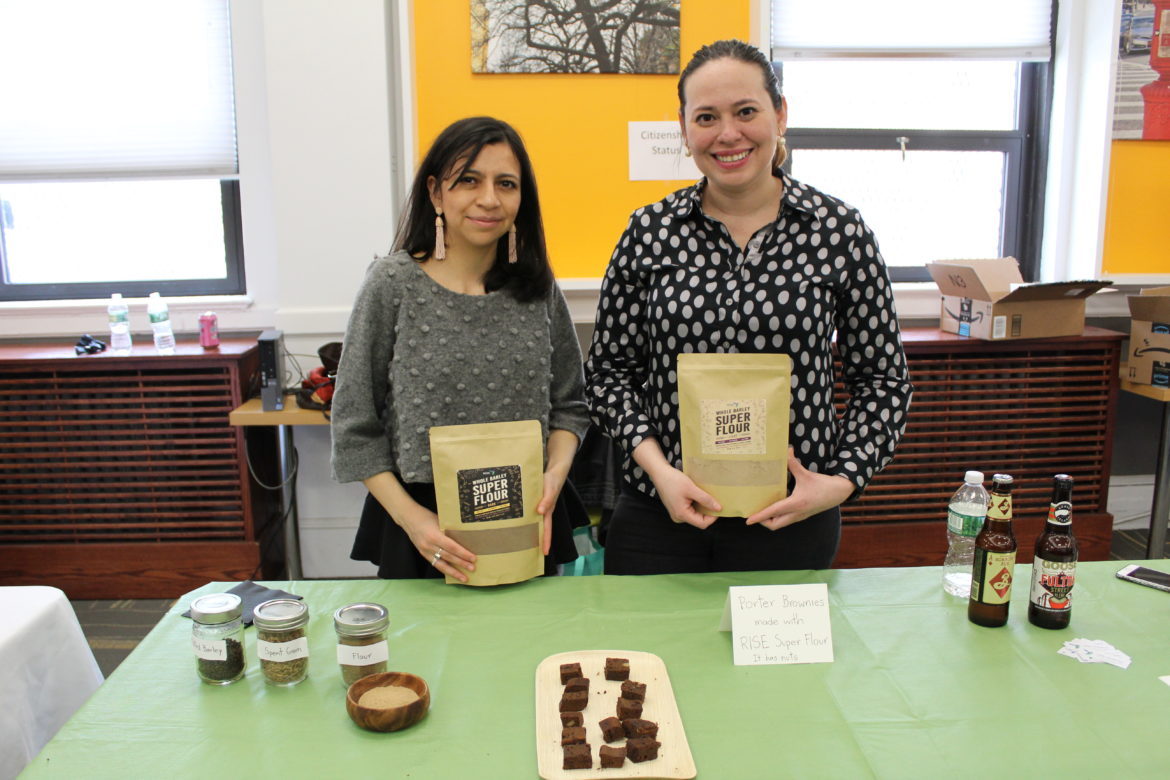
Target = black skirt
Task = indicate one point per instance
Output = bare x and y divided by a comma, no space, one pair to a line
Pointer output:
382,542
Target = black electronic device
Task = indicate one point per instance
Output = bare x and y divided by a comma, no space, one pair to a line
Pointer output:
1148,577
272,370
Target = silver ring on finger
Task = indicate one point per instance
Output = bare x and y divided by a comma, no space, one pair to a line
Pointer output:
435,558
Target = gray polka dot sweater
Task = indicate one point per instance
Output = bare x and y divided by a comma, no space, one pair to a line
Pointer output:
677,282
417,354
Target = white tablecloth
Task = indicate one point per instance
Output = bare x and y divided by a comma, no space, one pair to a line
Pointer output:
47,671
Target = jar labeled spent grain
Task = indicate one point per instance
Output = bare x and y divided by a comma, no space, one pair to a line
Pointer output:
361,640
281,643
217,637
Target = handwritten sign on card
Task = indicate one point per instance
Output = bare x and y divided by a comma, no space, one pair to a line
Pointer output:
778,624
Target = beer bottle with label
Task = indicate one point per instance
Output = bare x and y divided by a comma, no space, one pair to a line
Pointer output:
1054,569
995,559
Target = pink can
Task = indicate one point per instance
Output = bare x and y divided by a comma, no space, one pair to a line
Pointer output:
208,330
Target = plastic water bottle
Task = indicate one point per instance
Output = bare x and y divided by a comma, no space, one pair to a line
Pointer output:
119,315
160,323
965,515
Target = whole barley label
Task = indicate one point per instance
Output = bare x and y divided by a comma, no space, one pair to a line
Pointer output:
492,493
734,426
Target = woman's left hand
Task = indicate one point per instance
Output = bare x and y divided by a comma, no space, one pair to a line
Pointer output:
553,482
562,446
812,493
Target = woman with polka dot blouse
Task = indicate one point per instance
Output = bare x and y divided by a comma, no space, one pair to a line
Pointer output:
746,260
461,324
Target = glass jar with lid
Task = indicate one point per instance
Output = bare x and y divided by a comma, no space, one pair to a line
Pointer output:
361,640
281,642
217,636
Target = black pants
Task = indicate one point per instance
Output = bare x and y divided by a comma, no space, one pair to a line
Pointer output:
382,542
643,539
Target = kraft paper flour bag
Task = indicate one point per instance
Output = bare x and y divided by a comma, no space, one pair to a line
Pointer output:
733,414
488,479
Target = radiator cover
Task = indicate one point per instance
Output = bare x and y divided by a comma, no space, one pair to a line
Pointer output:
121,477
1030,408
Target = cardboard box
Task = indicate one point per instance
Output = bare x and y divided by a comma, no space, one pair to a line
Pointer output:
987,299
1148,361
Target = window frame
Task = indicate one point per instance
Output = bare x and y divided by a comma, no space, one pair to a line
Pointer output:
232,283
1025,168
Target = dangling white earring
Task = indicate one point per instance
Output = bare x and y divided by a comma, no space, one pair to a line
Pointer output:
781,151
512,243
440,240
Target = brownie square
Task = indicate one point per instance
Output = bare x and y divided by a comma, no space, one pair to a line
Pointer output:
578,756
572,719
634,690
573,735
569,671
577,684
575,701
617,668
612,730
641,749
636,727
612,757
627,708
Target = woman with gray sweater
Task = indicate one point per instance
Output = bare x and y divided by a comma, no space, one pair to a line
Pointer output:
462,323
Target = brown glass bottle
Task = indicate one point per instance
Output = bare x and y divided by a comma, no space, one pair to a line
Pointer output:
1054,569
995,559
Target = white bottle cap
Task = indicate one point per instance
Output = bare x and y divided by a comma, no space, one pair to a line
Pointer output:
973,477
117,296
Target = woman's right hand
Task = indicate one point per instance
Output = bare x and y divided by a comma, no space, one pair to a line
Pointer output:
685,501
421,526
439,550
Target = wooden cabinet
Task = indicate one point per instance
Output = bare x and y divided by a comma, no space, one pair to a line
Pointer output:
1029,408
120,477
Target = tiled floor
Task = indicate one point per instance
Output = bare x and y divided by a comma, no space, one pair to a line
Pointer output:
114,628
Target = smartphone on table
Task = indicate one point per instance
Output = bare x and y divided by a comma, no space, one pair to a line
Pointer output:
1143,576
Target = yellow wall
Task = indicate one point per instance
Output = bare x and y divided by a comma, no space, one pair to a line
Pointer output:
575,126
1139,202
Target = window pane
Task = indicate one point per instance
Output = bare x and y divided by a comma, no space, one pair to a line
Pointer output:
869,94
914,206
57,233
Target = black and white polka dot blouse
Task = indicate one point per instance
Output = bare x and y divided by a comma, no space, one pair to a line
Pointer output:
677,282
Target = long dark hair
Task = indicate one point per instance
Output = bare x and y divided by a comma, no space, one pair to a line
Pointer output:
531,275
736,50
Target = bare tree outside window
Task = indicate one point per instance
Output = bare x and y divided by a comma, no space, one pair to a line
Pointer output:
574,36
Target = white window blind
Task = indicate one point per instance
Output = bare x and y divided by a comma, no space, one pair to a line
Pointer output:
988,29
115,89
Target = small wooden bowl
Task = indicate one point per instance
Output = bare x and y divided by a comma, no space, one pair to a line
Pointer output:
393,718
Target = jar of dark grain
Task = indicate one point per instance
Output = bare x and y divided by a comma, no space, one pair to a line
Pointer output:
361,640
281,642
217,636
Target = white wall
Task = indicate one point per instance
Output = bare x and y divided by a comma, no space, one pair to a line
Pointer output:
315,115
316,193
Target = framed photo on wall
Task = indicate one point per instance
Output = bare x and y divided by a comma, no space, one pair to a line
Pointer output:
574,36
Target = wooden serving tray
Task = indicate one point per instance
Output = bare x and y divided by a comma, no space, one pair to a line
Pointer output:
674,760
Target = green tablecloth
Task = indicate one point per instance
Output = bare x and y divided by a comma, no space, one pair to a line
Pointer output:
915,691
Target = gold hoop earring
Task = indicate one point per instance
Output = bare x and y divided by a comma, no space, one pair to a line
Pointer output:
440,240
686,150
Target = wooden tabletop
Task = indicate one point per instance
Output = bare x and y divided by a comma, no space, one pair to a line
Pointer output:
251,412
1149,391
